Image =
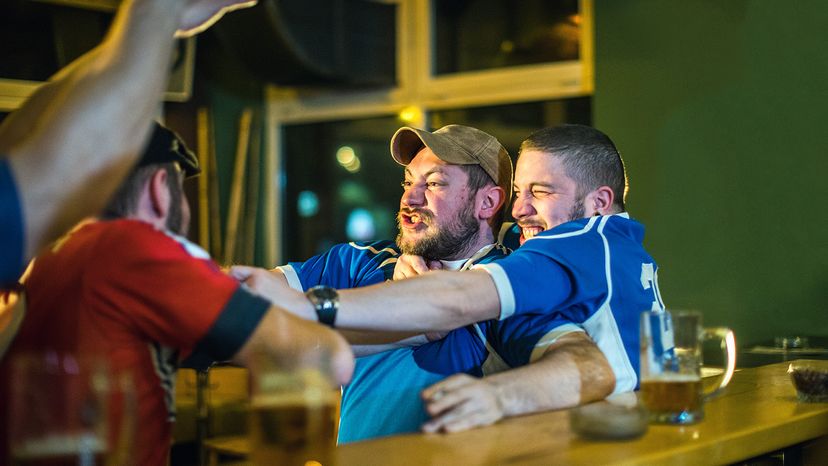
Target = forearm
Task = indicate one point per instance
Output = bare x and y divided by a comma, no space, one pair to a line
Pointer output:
280,333
437,301
88,124
571,372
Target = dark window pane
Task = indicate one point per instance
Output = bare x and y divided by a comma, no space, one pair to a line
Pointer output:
484,34
341,184
37,39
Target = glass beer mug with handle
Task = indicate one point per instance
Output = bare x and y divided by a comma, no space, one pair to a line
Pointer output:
671,360
293,412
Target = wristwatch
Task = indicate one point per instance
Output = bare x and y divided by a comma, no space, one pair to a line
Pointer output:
325,302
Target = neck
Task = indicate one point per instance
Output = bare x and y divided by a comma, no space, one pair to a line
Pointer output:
484,238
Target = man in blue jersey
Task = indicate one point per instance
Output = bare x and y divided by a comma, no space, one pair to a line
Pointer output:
581,267
456,181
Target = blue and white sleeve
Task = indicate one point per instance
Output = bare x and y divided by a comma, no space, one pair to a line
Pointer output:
529,282
524,338
330,269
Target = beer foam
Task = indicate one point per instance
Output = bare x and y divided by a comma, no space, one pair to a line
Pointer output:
59,445
671,377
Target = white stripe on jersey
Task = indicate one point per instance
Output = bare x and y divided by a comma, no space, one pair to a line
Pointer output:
372,249
570,234
603,328
493,363
657,291
390,260
291,276
503,286
191,248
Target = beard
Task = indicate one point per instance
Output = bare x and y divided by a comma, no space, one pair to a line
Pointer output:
175,217
446,242
577,211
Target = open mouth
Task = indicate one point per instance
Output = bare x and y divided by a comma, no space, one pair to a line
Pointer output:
529,232
412,220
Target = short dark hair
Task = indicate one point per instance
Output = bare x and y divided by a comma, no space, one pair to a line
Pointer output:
477,179
125,201
589,157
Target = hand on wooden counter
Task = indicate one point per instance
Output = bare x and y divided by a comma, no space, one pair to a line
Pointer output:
461,402
571,371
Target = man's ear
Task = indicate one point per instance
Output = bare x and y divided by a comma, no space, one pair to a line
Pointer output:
489,201
159,193
599,202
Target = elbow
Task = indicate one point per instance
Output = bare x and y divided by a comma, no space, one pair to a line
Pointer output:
342,362
597,379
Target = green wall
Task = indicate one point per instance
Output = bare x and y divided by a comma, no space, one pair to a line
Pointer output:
720,109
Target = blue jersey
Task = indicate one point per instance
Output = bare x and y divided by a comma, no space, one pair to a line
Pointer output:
11,233
383,397
590,275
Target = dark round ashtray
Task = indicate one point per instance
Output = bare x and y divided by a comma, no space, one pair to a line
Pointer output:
610,419
810,378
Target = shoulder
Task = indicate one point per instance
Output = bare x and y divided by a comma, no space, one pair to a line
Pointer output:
126,237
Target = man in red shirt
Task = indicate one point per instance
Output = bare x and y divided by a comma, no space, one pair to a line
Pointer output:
132,288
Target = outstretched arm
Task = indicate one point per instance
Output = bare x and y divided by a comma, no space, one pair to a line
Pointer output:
72,142
572,371
373,322
434,302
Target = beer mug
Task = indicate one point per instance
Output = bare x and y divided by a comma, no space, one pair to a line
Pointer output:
60,411
293,409
671,360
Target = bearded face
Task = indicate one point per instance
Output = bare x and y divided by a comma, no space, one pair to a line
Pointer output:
437,217
440,239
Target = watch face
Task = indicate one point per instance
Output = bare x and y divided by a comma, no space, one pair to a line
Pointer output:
326,293
323,293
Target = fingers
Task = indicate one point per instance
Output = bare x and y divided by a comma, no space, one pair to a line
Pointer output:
460,402
409,266
201,14
465,417
434,336
241,272
440,389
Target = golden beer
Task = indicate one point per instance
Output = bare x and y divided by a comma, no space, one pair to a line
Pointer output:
293,429
60,451
672,396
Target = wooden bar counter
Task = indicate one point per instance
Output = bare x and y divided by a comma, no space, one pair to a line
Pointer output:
758,413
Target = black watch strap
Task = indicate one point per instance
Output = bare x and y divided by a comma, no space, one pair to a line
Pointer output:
325,301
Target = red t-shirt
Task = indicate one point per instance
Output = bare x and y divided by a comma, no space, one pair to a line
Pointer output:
143,298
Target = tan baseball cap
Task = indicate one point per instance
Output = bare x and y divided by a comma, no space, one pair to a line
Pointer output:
458,145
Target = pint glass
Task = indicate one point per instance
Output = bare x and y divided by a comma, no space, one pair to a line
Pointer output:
60,412
293,412
671,360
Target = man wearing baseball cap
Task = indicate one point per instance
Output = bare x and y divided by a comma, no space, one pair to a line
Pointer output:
581,270
457,180
132,289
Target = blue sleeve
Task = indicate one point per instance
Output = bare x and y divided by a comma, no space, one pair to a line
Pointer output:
528,282
348,265
552,273
11,233
330,268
